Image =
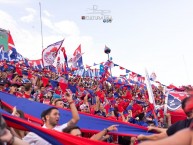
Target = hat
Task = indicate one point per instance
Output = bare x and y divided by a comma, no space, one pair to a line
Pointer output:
56,96
83,106
3,82
25,81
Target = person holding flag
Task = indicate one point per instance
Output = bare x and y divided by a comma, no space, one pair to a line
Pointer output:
176,126
50,118
184,136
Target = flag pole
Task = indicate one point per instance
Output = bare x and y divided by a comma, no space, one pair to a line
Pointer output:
110,66
151,95
166,93
41,25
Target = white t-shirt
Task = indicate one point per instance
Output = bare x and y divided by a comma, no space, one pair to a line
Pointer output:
34,139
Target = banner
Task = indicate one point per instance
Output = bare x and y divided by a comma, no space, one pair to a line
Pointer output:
174,105
49,54
52,136
37,64
87,122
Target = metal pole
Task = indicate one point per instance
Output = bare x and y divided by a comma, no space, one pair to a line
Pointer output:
41,25
110,66
166,93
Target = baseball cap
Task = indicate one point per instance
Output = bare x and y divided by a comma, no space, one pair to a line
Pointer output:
3,82
25,81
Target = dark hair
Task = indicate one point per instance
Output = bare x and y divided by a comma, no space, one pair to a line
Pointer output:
28,86
124,140
43,115
70,128
184,102
47,112
141,116
21,113
57,101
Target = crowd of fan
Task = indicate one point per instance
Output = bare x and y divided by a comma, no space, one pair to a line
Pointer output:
96,96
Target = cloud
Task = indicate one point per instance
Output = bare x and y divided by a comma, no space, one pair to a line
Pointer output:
6,20
47,22
25,41
67,27
46,13
28,41
64,27
12,1
30,16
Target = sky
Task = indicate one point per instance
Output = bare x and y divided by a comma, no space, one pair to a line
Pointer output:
156,35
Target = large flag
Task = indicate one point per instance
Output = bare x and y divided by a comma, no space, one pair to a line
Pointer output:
52,136
49,54
4,39
12,50
77,58
10,42
174,105
88,123
7,46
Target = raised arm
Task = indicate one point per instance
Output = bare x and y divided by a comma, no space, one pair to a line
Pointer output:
99,136
152,137
97,104
86,101
182,137
75,115
157,129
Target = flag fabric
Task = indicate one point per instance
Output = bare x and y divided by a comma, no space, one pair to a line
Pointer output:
86,122
1,52
122,68
7,46
11,48
10,42
174,105
101,68
132,76
36,64
52,136
149,89
49,54
4,39
153,76
77,58
127,71
141,79
54,83
108,64
58,65
64,53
